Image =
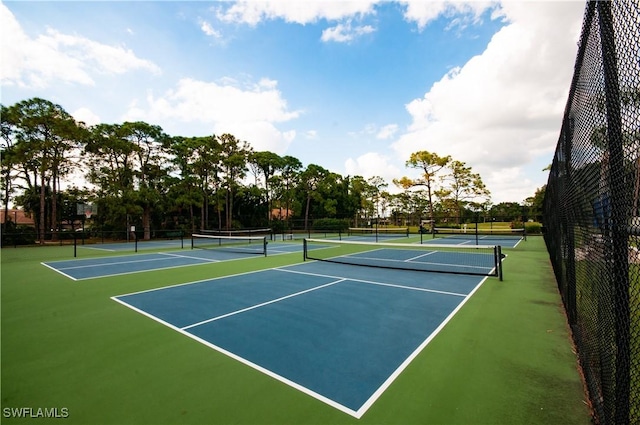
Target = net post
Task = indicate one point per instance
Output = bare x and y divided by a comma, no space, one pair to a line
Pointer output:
75,246
499,259
524,222
476,220
135,238
264,242
304,249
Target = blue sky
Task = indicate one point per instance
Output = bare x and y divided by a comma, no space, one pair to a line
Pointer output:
354,86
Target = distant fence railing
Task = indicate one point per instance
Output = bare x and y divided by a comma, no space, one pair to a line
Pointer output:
592,209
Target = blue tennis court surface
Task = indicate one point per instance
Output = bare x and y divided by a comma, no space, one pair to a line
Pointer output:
131,246
339,333
88,268
507,241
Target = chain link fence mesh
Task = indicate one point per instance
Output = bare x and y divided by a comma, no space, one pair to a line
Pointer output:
592,209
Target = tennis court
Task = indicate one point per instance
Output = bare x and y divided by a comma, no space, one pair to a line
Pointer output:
133,245
340,333
508,238
90,268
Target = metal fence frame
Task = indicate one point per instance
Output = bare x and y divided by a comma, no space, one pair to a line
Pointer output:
591,208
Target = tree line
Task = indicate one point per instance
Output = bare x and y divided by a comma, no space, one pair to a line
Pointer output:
135,172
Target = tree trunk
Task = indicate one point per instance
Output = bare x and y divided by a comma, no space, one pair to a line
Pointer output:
306,213
42,209
219,211
203,212
7,190
229,208
193,224
146,223
54,208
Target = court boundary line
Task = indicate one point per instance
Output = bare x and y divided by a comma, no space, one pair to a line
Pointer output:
194,282
97,249
204,263
472,240
234,356
123,254
130,262
391,261
253,307
169,254
58,271
408,260
372,282
374,397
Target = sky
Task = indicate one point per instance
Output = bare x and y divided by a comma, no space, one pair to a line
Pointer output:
353,86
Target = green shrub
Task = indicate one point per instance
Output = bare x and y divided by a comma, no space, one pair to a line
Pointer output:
20,235
533,228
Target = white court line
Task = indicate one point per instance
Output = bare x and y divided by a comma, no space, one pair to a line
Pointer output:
419,256
139,271
97,249
472,267
233,313
371,282
246,362
117,263
59,271
192,282
168,254
413,355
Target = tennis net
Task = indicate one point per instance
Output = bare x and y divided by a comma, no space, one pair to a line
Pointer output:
483,260
483,234
263,232
382,232
238,244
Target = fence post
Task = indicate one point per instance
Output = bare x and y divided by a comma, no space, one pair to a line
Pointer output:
569,229
619,216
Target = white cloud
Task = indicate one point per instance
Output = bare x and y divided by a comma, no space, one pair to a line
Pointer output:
55,57
503,108
387,132
86,116
373,164
209,30
296,11
344,33
197,107
423,12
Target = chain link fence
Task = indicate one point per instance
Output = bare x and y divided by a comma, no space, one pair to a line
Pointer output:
592,209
